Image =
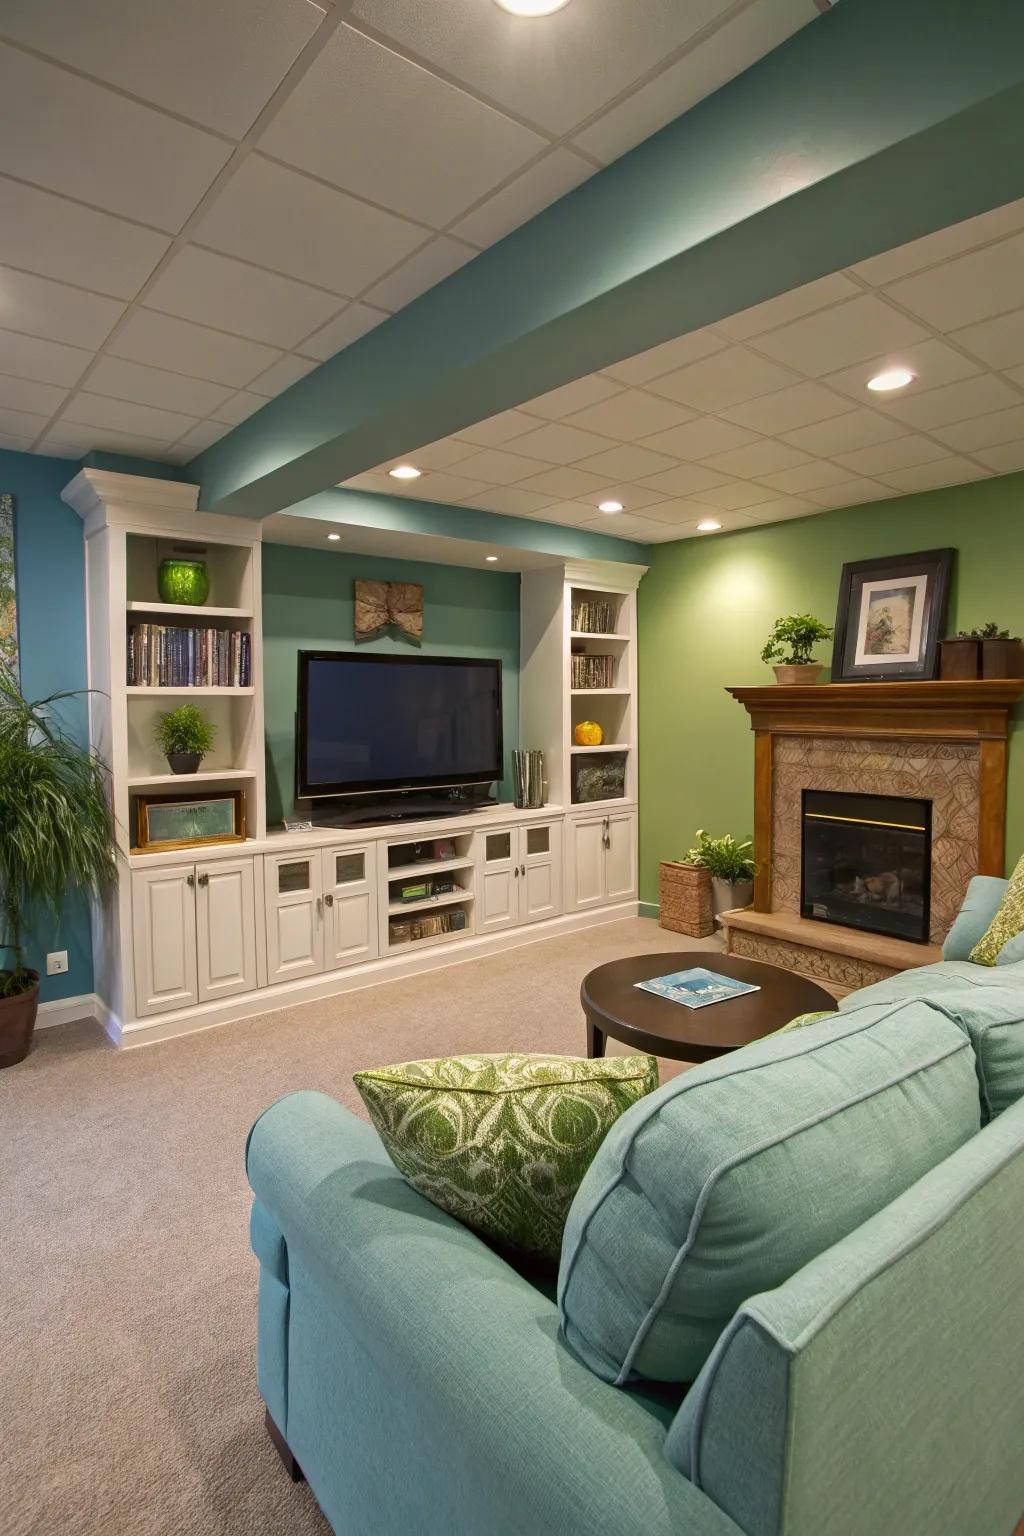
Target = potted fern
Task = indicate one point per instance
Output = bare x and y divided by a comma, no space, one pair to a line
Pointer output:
790,646
56,832
730,866
184,735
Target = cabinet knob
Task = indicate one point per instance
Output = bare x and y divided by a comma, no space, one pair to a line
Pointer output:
328,900
204,879
522,870
190,881
319,906
516,871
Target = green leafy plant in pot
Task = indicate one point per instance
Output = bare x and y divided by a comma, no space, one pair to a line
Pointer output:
184,735
56,833
790,646
730,866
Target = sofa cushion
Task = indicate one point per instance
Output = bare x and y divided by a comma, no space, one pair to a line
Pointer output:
979,907
733,1175
502,1142
1007,923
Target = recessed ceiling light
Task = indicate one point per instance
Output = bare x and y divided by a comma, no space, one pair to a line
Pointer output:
609,506
708,525
490,559
531,7
333,537
892,378
405,472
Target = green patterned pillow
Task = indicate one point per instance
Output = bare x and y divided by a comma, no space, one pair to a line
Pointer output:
1007,923
803,1019
502,1142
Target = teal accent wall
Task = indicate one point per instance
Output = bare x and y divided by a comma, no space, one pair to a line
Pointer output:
308,604
704,612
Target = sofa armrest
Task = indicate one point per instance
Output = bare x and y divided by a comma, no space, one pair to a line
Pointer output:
980,905
454,1371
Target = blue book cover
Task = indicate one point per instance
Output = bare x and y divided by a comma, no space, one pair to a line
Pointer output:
696,988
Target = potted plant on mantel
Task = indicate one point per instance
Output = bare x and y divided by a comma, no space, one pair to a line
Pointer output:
987,651
184,735
790,645
729,866
56,832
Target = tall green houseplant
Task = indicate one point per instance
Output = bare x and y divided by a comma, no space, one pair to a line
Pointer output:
56,833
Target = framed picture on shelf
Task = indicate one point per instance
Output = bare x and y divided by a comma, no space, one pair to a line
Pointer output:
891,616
169,822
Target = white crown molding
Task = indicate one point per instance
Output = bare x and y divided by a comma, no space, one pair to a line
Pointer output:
105,499
614,574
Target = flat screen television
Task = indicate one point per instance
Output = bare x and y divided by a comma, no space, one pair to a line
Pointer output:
372,724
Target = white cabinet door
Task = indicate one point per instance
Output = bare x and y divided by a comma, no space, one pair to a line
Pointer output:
350,905
225,928
620,857
587,835
540,872
498,895
164,934
295,928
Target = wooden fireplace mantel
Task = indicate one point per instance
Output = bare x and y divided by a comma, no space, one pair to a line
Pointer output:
938,711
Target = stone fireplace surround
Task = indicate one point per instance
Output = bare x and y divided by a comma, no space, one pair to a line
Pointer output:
940,741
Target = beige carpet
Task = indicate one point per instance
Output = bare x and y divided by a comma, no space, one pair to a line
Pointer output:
128,1288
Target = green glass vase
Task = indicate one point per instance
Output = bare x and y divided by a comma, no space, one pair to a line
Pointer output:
183,581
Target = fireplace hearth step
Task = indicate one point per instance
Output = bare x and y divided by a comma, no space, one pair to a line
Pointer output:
840,959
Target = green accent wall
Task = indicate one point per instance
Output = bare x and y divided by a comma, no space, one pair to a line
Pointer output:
704,612
308,604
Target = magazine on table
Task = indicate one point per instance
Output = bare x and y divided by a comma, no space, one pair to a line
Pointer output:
696,988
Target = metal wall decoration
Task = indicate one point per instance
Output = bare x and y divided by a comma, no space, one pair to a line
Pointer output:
8,594
380,603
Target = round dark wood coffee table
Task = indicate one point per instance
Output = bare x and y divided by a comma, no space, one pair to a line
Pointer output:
615,1006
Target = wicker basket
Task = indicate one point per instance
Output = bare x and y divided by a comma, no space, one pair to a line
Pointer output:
686,900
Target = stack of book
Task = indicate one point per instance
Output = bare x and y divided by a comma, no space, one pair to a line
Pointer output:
593,671
173,656
590,617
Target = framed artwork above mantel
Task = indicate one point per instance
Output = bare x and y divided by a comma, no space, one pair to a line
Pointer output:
891,617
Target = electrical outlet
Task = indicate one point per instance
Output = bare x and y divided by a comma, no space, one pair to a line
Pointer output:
57,963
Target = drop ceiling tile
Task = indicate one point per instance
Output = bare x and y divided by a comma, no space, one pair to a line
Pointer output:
677,512
419,272
1016,375
572,397
954,402
495,430
282,375
724,379
696,440
512,501
806,477
238,408
999,342
155,386
343,330
765,457
555,72
374,480
284,220
1004,458
57,238
100,411
71,435
781,511
566,483
786,307
684,480
634,496
15,444
925,477
622,526
55,312
445,487
382,127
440,455
534,189
69,135
736,495
800,405
204,436
233,296
901,453
666,358
843,434
984,431
495,467
147,337
29,357
703,69
838,337
967,289
23,423
851,493
627,462
29,395
941,245
932,363
559,443
216,64
571,513
728,521
631,414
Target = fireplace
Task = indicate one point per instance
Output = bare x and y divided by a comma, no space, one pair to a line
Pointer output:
866,862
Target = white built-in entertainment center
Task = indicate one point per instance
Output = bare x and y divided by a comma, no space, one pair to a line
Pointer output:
197,936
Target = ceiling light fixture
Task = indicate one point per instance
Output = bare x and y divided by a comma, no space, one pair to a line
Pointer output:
490,559
531,7
708,525
610,506
892,378
405,472
334,537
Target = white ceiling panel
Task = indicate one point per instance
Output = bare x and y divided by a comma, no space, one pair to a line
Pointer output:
666,358
698,440
29,395
567,483
30,357
147,337
570,398
558,443
967,289
353,322
630,415
766,457
806,477
421,271
936,472
683,480
234,296
932,363
374,123
726,378
787,307
901,453
446,486
1005,458
735,495
512,500
532,190
495,430
239,407
24,424
281,219
984,431
838,337
799,405
53,237
90,410
67,134
627,526
204,436
954,402
850,494
999,342
628,462
155,386
932,249
843,434
39,307
282,375
440,455
69,438
495,466
14,443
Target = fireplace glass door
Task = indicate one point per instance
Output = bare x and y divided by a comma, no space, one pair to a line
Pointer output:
866,862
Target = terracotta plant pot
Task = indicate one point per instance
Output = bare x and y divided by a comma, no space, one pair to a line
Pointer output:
17,1021
184,762
727,895
685,895
809,673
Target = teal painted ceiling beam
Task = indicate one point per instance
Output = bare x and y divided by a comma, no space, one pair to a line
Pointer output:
878,123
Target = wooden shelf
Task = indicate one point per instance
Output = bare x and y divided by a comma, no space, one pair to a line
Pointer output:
423,903
140,692
424,866
429,938
204,776
609,746
186,610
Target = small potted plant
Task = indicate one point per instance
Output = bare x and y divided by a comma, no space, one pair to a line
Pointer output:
56,832
986,651
730,866
184,735
790,645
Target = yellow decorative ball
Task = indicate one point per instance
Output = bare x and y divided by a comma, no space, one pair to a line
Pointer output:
589,734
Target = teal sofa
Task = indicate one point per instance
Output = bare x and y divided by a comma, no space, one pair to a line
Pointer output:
424,1386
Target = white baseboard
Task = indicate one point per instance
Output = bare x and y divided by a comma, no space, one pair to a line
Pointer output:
247,1005
69,1010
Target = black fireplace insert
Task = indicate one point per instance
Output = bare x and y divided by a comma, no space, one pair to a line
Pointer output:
867,862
